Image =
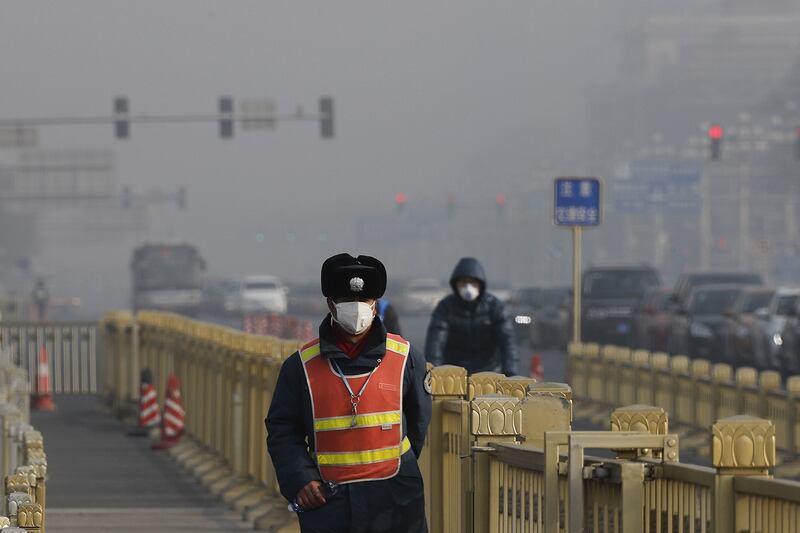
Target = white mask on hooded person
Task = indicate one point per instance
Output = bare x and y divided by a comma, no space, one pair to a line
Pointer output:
354,317
469,292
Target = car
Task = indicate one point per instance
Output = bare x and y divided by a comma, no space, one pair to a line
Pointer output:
263,293
651,320
421,295
541,315
609,296
501,291
220,296
695,325
743,333
689,281
781,314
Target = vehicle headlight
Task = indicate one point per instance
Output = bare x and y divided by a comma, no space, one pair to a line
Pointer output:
523,319
777,340
698,329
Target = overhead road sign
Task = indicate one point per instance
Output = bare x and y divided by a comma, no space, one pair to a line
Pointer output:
20,137
668,186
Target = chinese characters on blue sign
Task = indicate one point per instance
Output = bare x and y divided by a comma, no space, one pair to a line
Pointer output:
577,202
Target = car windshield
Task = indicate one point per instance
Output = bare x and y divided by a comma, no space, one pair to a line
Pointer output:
552,297
786,304
722,278
260,285
713,302
527,296
611,283
755,301
166,268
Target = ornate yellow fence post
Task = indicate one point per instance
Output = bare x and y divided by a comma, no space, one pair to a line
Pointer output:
741,446
447,383
649,418
546,407
493,419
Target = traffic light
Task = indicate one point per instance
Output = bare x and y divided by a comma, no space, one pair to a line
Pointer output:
127,197
451,204
400,200
326,117
500,201
226,117
180,198
121,118
715,134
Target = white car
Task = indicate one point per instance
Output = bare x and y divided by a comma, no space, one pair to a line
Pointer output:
263,293
422,295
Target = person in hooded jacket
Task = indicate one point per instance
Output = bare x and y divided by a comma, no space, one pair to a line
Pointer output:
471,327
349,414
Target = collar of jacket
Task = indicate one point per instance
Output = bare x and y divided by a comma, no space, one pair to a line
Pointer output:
374,345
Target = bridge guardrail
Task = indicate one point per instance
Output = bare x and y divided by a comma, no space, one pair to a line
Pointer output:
695,391
487,461
72,348
22,457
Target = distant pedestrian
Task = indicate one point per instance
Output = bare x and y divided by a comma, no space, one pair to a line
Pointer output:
41,299
471,327
388,315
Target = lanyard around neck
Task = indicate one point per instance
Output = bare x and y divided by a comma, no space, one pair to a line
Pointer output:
347,383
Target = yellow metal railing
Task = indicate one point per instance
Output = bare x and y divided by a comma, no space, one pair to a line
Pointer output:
500,455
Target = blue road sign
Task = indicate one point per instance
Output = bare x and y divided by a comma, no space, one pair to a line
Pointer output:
659,185
578,202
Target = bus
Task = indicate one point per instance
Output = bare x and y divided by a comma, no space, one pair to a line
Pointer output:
167,277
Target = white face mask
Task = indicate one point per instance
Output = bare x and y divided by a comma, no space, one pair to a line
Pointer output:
354,317
469,292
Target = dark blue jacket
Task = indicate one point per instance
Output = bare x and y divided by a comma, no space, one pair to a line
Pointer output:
477,335
395,504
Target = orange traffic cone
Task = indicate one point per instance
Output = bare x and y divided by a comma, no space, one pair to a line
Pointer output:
172,423
537,369
42,400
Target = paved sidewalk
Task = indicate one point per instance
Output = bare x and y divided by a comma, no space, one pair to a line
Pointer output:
102,480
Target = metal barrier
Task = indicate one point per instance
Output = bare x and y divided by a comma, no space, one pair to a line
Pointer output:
71,347
22,457
500,454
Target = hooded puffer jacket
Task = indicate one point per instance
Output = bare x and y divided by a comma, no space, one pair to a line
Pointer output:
477,335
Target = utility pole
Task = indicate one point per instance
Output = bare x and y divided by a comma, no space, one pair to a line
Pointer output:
744,213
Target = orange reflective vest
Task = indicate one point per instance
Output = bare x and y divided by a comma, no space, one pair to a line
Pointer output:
365,443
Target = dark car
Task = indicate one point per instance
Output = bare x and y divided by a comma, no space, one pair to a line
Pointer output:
541,315
651,320
686,283
609,296
696,324
743,333
780,330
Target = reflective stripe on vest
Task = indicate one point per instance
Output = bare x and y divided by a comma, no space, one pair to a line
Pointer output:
368,446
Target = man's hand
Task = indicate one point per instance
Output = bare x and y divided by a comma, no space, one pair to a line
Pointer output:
311,496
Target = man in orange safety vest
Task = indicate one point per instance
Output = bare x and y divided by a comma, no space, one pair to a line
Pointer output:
349,415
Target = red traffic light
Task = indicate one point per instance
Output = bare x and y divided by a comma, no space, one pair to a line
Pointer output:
400,198
500,199
715,132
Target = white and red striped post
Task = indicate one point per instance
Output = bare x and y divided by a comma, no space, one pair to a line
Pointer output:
42,400
172,423
149,413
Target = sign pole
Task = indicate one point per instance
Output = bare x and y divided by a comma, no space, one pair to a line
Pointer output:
577,233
